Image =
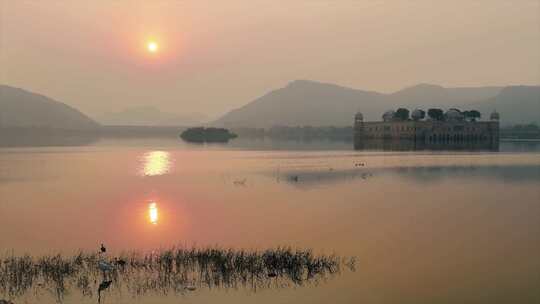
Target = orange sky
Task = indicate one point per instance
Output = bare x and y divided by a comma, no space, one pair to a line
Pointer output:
217,55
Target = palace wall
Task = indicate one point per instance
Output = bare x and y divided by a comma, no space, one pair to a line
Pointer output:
429,134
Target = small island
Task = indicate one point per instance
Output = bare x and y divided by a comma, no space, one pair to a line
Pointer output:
207,135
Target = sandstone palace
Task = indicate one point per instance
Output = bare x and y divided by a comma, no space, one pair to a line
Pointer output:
450,130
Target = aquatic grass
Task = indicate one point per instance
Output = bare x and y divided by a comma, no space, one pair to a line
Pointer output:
175,270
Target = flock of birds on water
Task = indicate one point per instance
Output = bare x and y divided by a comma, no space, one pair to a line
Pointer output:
295,178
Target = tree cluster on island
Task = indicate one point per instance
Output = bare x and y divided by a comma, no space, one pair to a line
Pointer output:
403,114
207,135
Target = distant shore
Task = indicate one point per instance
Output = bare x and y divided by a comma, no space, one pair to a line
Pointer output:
519,139
39,136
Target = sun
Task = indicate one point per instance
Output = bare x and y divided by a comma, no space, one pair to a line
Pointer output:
152,46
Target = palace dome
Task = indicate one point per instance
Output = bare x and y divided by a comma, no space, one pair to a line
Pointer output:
454,114
358,116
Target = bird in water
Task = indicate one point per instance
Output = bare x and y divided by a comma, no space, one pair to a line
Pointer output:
240,182
103,249
104,285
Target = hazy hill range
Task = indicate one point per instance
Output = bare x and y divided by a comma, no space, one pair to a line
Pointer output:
149,116
303,103
20,108
429,95
517,104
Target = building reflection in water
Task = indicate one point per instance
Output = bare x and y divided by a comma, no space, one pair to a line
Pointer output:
156,163
153,212
413,145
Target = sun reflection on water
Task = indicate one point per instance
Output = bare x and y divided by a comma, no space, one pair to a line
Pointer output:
156,163
153,213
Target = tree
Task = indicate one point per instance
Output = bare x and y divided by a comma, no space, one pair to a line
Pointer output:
436,114
402,114
201,135
418,114
472,115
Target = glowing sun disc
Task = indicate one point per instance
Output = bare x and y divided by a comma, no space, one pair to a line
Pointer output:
152,46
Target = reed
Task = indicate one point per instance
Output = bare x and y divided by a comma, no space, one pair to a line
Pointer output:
173,270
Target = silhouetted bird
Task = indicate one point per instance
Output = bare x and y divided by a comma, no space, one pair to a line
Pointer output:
103,249
120,262
104,285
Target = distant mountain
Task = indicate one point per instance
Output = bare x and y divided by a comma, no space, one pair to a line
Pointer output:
149,116
303,103
20,108
429,95
516,104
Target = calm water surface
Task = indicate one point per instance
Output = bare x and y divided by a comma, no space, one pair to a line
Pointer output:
425,227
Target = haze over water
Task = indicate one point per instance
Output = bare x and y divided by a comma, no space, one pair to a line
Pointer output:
425,227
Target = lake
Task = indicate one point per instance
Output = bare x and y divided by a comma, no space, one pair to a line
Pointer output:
424,227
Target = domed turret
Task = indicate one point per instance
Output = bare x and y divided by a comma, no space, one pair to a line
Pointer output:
418,114
388,115
358,120
495,115
454,114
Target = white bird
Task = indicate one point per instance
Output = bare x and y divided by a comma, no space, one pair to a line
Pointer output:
104,266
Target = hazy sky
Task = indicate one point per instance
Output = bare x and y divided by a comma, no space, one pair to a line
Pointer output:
217,55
